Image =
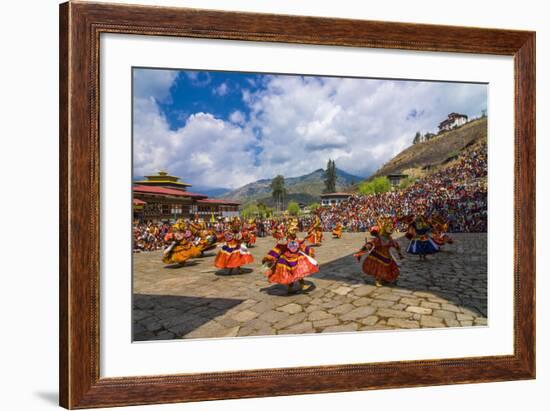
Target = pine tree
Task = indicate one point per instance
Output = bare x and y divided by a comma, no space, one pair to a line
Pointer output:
278,189
330,177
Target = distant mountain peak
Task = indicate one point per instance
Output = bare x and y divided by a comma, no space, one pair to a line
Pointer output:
309,186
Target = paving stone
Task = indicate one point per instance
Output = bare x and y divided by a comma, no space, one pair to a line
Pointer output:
301,299
138,315
232,332
342,309
319,315
342,290
266,331
370,320
452,323
362,301
450,307
382,303
227,322
424,294
437,300
471,312
364,290
291,308
419,310
273,316
258,324
245,315
358,313
448,315
330,304
388,313
262,307
402,323
211,329
464,317
402,291
300,328
428,321
290,320
431,305
326,322
388,296
410,301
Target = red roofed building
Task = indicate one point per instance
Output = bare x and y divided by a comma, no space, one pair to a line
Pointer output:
163,197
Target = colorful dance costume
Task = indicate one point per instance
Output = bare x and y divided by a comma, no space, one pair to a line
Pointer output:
337,232
181,248
206,240
249,234
439,231
290,262
379,262
279,232
421,243
233,253
315,233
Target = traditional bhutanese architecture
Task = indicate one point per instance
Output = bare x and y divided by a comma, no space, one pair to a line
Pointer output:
330,199
395,179
163,179
453,120
163,197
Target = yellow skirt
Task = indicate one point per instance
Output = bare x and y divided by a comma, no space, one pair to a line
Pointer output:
181,253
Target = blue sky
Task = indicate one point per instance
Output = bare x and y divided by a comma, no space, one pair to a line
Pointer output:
226,129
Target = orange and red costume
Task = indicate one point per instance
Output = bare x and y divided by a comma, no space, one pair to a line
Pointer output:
232,254
337,231
439,231
379,262
289,263
315,232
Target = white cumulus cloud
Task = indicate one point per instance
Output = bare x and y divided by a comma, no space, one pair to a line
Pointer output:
292,126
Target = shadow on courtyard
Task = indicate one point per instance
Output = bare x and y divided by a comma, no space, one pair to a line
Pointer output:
165,317
437,275
226,273
282,290
177,265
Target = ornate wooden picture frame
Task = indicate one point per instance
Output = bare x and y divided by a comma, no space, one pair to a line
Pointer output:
81,25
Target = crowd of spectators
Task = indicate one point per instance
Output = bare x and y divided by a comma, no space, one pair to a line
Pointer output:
457,192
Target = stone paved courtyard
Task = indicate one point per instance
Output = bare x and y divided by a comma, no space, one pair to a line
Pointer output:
199,301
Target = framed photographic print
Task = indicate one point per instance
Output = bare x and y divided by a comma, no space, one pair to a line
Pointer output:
259,205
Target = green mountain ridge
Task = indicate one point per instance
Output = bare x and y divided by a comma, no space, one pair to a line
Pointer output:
305,189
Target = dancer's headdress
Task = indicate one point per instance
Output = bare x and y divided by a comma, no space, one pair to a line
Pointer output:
386,225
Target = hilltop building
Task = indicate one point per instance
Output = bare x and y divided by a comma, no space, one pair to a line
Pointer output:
163,197
453,120
331,199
